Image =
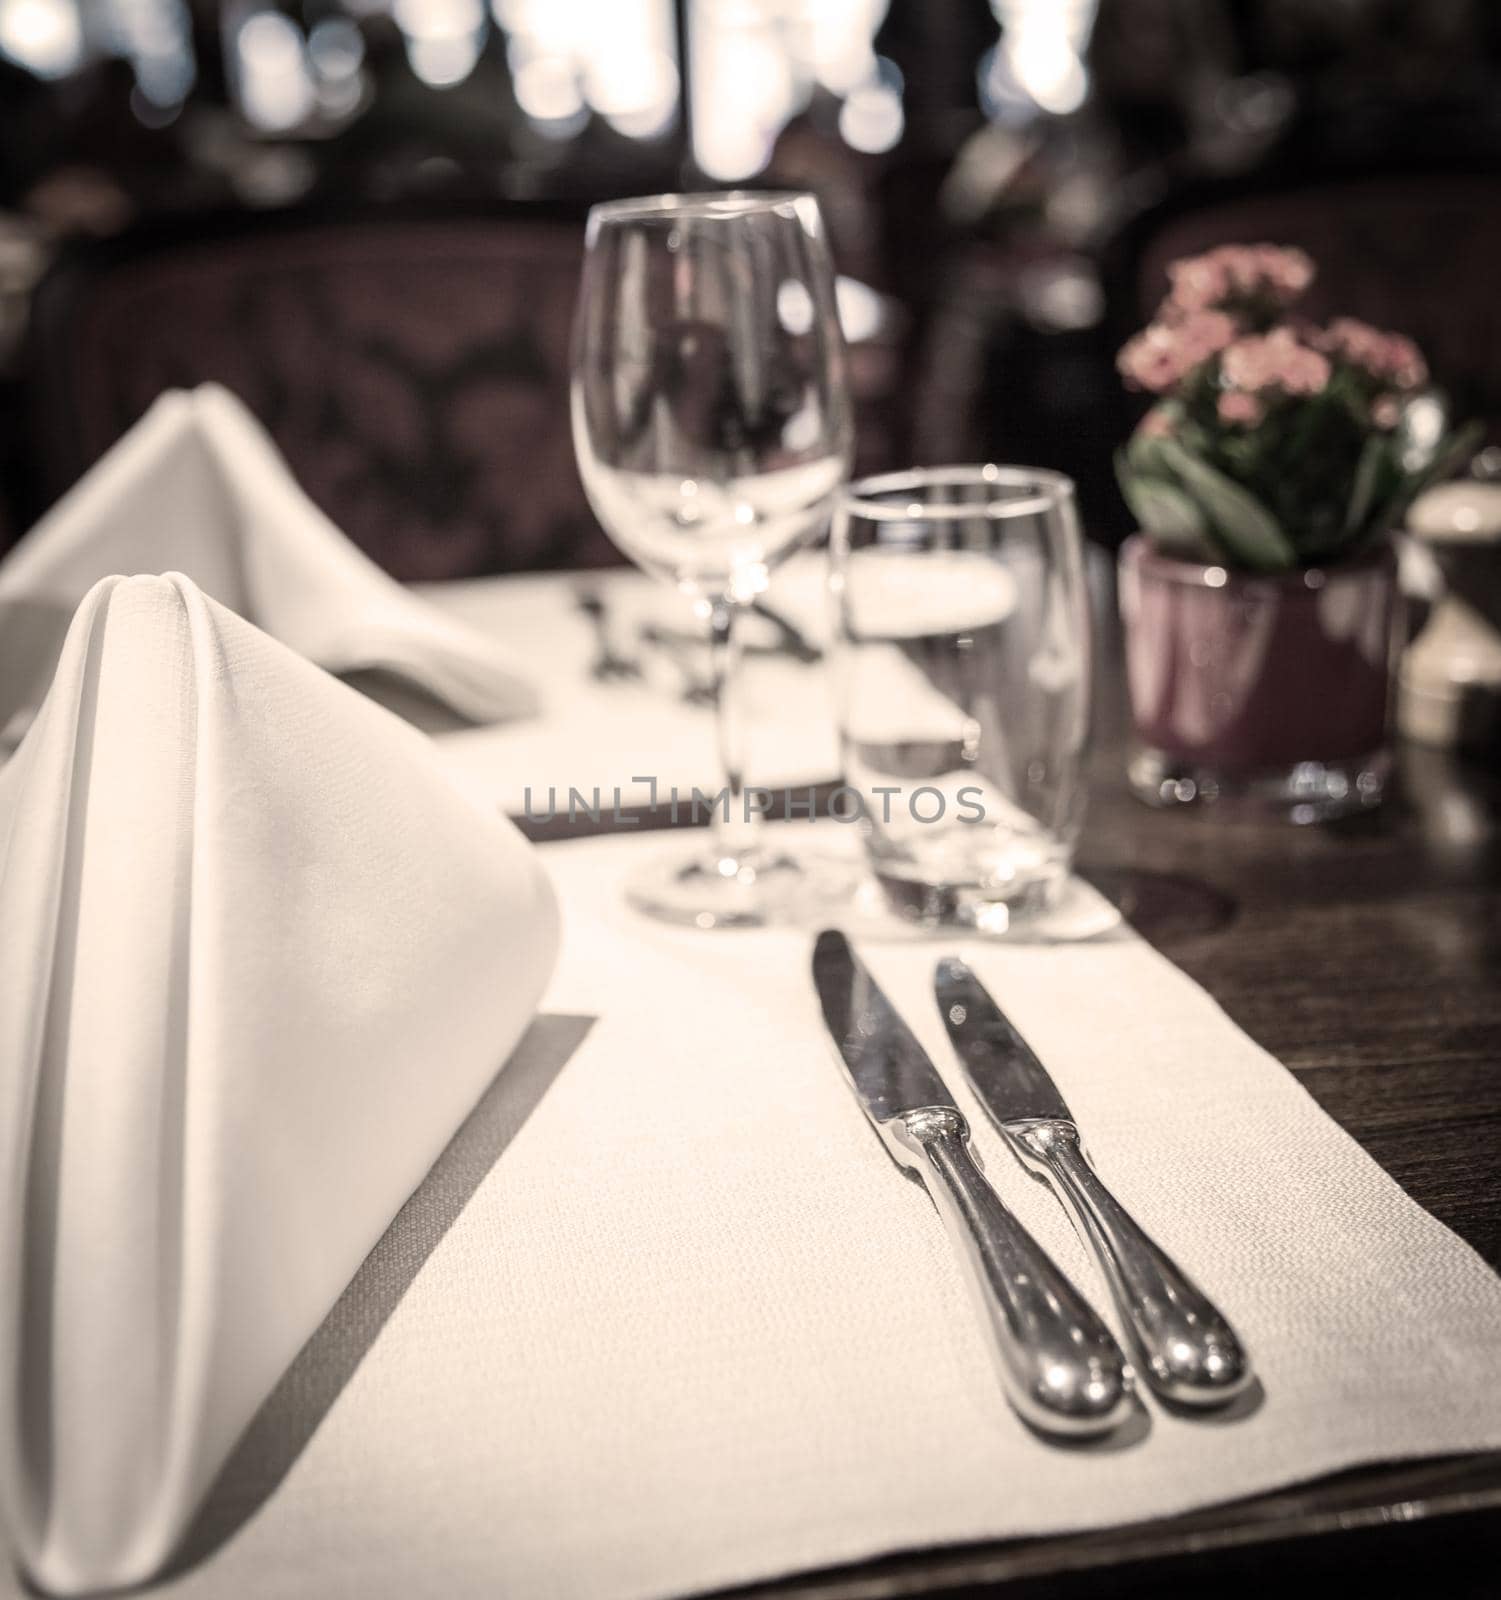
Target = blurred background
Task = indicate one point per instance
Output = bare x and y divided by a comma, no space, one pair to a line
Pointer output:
364,217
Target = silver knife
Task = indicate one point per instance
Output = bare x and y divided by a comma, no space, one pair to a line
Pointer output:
1062,1370
1184,1348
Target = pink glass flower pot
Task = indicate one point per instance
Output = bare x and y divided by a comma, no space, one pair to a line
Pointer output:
1269,692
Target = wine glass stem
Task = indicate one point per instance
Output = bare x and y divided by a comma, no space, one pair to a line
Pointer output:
736,827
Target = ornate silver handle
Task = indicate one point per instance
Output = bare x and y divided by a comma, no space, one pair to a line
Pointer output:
1186,1350
1062,1370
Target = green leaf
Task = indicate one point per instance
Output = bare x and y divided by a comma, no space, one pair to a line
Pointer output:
1171,519
1141,448
1244,525
1368,474
1139,456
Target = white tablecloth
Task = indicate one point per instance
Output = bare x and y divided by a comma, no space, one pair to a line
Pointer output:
665,1317
608,736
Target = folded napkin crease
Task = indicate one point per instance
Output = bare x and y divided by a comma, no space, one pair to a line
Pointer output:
258,959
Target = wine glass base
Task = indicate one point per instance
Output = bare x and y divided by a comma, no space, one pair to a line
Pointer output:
765,887
1067,912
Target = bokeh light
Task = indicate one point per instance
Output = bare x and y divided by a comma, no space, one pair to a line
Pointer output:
44,36
616,58
275,87
756,66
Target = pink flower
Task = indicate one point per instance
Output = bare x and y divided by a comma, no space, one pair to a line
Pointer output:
1198,282
1386,412
1387,356
1166,352
1204,334
1286,272
1237,272
1157,424
1150,360
1275,360
1240,409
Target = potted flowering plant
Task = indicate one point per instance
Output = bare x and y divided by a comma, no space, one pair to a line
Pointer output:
1259,598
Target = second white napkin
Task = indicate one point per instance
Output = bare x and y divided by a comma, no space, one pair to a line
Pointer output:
198,487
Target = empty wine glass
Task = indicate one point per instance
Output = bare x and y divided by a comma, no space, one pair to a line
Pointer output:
712,426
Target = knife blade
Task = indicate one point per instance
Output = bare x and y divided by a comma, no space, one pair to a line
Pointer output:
1061,1369
1182,1343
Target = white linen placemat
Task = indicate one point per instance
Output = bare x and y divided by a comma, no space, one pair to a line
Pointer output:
666,1317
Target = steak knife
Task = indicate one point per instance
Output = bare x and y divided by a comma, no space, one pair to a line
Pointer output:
1184,1348
1062,1370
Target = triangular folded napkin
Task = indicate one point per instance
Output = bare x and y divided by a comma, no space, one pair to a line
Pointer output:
258,961
198,487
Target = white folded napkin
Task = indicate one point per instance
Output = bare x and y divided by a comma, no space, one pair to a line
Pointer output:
258,960
197,486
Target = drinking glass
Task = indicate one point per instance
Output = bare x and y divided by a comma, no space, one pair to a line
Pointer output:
712,426
963,667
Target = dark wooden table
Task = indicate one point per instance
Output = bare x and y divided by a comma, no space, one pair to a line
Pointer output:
1366,955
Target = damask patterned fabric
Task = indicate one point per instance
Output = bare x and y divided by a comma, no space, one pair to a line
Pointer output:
414,374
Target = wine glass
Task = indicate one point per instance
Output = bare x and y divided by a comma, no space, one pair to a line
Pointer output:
713,431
